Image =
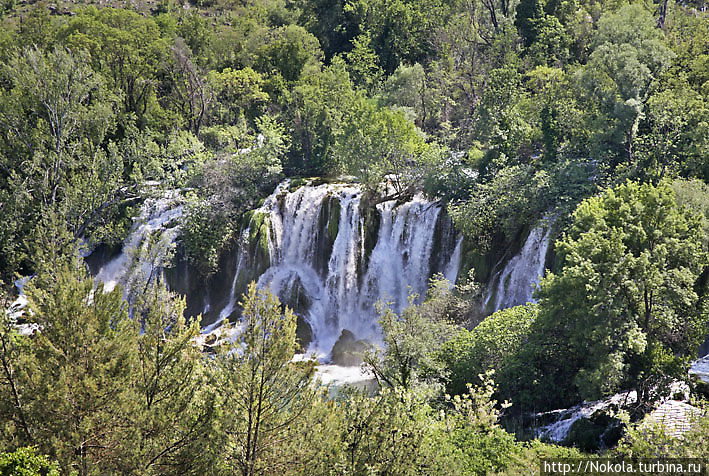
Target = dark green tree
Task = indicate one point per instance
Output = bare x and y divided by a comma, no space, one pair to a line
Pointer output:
626,299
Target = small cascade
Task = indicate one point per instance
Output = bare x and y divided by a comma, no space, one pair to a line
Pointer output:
148,246
451,270
231,303
700,368
557,431
515,284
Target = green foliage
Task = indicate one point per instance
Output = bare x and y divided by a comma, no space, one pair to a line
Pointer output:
329,22
230,184
494,344
78,372
500,120
483,445
264,395
375,143
649,439
526,461
177,410
86,387
399,29
628,56
497,207
694,195
673,139
58,114
128,50
289,51
395,432
321,104
363,64
26,462
626,292
506,111
529,12
238,93
411,339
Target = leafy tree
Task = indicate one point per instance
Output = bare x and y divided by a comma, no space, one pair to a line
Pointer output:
176,415
694,195
57,114
330,23
321,104
76,383
288,51
500,121
198,34
37,28
363,64
493,344
625,298
238,93
128,50
189,92
395,432
265,395
399,29
26,462
629,55
474,430
516,196
412,338
529,12
378,142
673,138
230,184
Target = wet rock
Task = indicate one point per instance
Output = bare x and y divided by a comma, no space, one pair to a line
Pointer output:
303,334
348,351
585,435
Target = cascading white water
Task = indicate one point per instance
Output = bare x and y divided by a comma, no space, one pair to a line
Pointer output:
700,368
147,248
514,285
400,260
451,271
341,293
565,418
310,243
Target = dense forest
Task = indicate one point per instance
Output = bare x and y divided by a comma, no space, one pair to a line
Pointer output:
588,117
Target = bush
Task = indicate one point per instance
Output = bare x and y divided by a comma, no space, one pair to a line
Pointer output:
493,344
26,462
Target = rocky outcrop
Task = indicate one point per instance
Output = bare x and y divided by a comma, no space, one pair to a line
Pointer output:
348,350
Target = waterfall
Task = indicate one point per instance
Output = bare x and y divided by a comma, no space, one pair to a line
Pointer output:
453,266
515,284
148,246
322,263
700,368
319,248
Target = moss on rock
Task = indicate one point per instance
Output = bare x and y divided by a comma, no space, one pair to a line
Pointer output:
333,221
371,222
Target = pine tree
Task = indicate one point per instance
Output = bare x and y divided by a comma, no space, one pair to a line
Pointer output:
265,395
76,381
